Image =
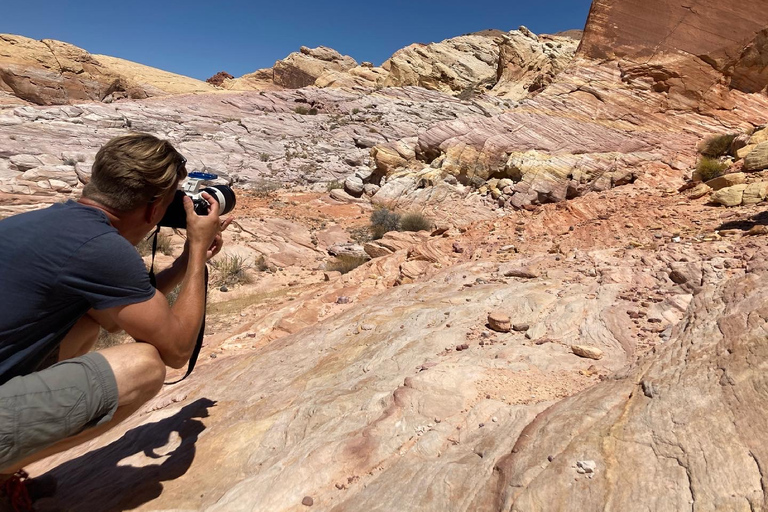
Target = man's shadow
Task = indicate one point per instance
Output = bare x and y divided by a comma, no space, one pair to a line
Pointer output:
96,482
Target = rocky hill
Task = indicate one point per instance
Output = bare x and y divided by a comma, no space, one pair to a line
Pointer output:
584,327
51,72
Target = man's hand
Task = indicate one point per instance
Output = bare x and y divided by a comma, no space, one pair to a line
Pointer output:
218,241
202,230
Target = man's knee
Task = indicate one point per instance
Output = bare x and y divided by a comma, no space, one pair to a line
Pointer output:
154,368
138,369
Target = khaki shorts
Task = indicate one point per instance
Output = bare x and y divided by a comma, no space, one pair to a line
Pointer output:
39,409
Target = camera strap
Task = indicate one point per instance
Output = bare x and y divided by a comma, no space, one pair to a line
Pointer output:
199,342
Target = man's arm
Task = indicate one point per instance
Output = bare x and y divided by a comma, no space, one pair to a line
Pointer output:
173,330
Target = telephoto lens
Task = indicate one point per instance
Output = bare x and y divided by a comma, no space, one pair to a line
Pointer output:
176,216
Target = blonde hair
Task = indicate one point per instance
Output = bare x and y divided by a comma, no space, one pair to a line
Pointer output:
134,170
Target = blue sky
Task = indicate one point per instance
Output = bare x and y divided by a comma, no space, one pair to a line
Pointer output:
199,38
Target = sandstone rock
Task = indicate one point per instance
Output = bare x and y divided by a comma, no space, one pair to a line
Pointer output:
302,68
516,271
24,162
743,152
344,197
353,185
587,352
499,321
729,196
757,159
528,63
699,191
349,250
51,72
451,66
755,193
759,136
727,180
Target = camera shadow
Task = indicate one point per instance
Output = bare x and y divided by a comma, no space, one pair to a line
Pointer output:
97,481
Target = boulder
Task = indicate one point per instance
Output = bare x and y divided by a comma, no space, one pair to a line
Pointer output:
699,191
348,249
759,136
587,352
729,196
757,159
727,180
353,185
755,193
499,321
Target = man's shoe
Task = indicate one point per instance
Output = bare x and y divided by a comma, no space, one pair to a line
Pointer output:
18,491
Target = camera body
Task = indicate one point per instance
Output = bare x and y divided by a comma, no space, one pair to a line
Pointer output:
176,216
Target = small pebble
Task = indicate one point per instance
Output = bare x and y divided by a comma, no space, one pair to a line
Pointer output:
495,419
481,425
223,289
308,501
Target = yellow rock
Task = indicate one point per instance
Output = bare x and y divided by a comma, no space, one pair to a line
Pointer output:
730,196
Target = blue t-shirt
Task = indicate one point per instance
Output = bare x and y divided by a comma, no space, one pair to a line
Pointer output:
55,265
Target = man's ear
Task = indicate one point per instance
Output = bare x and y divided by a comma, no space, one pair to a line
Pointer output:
153,211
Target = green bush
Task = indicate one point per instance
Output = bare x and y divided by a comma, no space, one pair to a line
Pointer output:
717,145
710,168
382,221
302,110
231,270
333,185
346,263
415,222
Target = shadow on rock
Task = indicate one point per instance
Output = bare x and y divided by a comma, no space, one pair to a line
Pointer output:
118,477
761,219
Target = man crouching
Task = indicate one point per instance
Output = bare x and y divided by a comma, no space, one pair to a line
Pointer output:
67,270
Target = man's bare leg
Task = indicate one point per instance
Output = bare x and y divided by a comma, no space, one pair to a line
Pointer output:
139,372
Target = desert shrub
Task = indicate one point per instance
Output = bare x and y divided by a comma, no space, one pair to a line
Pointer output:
355,110
261,263
264,188
345,263
415,222
382,221
333,185
361,234
264,157
301,109
231,270
717,145
710,168
163,245
312,111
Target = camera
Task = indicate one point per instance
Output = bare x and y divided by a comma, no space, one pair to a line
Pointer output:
176,216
